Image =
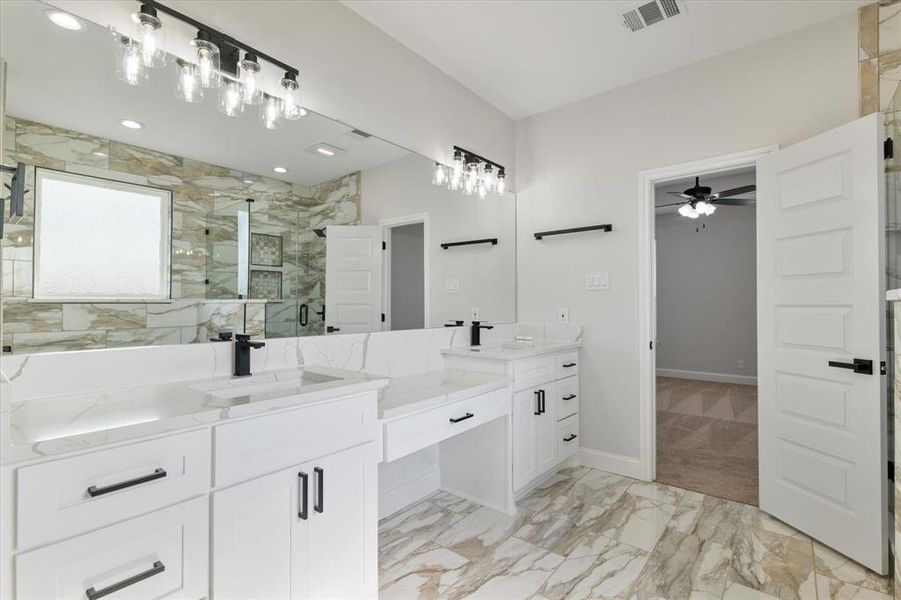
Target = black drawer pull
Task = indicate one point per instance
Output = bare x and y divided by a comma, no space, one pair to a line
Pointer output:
157,568
319,506
570,397
537,403
570,437
860,365
463,418
99,491
568,365
303,479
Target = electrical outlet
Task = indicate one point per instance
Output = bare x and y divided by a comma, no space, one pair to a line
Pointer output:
739,364
563,315
597,281
452,286
475,313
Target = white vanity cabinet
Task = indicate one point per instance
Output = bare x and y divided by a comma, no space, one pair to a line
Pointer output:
545,414
278,505
303,532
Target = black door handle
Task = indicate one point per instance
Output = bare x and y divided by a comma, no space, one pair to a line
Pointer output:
321,313
537,402
543,405
568,365
302,501
303,315
860,365
319,506
157,568
570,397
570,437
463,418
330,329
94,491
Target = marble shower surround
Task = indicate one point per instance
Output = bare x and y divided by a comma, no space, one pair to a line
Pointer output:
204,196
879,55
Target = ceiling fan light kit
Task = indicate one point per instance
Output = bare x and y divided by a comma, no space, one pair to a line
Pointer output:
699,201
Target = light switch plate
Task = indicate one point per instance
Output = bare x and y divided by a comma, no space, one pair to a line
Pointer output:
475,313
563,315
452,286
597,281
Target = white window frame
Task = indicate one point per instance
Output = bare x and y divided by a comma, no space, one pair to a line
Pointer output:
165,196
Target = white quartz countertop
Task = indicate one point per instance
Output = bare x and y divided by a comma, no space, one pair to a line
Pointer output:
512,350
58,424
893,295
414,393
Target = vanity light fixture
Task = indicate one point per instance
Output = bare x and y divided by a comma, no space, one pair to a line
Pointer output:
280,170
214,63
472,173
131,124
64,20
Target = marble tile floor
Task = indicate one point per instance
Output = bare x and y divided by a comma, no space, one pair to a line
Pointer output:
584,533
707,437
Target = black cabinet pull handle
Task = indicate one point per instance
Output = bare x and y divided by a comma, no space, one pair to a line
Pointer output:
303,315
319,506
568,365
157,568
302,501
94,491
543,405
860,365
463,418
570,437
570,397
537,402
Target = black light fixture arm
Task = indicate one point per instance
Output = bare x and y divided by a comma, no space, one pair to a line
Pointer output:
218,34
470,156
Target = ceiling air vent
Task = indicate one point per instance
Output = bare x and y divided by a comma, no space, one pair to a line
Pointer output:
651,13
358,134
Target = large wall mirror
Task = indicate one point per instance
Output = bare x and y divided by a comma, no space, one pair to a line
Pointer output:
150,220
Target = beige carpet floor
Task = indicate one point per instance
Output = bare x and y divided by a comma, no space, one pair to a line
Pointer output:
707,437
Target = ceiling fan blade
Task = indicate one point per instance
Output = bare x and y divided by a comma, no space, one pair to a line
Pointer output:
670,204
735,201
681,195
734,191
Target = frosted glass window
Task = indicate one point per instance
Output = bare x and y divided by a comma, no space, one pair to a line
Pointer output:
97,239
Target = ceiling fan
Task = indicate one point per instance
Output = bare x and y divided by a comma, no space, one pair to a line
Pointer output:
699,201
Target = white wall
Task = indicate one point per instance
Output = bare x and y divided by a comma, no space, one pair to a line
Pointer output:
350,70
578,165
487,274
706,286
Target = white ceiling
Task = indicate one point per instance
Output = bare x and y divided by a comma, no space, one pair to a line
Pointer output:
528,56
66,78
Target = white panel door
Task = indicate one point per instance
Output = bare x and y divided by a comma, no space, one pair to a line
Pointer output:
343,525
353,278
259,540
820,278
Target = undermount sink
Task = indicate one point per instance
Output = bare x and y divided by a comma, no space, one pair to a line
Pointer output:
237,388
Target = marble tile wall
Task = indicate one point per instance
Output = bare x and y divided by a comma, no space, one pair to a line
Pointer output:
879,55
206,200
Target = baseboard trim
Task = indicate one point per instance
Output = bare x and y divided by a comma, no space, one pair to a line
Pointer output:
626,466
706,376
409,493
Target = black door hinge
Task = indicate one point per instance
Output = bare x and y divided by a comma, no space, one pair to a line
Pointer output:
882,369
888,149
383,317
384,245
652,344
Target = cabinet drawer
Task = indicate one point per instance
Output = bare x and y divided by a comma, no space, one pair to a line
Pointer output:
567,363
530,372
266,444
567,437
73,495
567,397
161,555
409,434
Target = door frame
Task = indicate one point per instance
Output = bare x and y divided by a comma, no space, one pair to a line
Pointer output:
387,225
647,280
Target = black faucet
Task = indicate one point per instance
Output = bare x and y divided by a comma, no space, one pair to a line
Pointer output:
242,353
475,333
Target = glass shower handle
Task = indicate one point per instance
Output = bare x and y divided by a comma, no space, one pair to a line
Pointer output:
303,315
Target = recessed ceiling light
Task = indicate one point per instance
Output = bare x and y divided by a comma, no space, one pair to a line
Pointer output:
130,124
325,151
99,153
280,170
248,181
64,20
